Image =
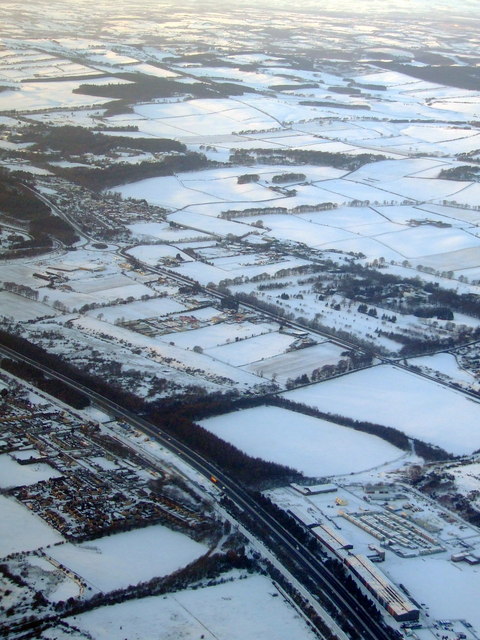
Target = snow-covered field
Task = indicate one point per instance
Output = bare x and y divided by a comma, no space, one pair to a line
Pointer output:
38,96
137,310
295,363
422,577
253,349
217,334
157,253
20,308
163,231
22,530
444,364
127,558
310,445
396,398
13,474
235,610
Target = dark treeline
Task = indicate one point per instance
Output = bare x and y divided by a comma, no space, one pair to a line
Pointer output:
217,404
466,172
73,141
451,75
143,88
99,179
336,105
302,156
54,387
390,434
246,469
19,202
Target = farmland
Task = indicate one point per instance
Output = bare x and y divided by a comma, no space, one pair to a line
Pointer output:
255,229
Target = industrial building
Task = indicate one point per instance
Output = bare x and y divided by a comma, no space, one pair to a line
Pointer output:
382,589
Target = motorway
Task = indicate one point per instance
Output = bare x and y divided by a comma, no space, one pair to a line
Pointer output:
276,536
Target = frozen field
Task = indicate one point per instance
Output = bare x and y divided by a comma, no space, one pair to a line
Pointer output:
20,308
286,227
310,445
105,283
155,254
127,558
22,530
38,96
425,241
231,611
197,364
396,398
206,273
427,579
208,224
445,364
13,474
217,334
252,349
163,231
138,310
295,363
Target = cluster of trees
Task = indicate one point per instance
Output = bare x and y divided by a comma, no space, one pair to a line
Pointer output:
74,141
288,177
144,88
21,289
19,202
248,177
336,105
462,77
464,172
98,179
54,387
442,313
304,156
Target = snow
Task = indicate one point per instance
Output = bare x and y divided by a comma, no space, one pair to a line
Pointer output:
20,308
216,334
39,96
232,611
447,587
297,362
185,361
208,224
286,227
163,231
445,364
153,254
311,445
29,168
252,349
122,559
13,474
426,240
207,273
22,530
419,407
137,310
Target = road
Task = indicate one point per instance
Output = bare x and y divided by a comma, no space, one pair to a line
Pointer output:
276,536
